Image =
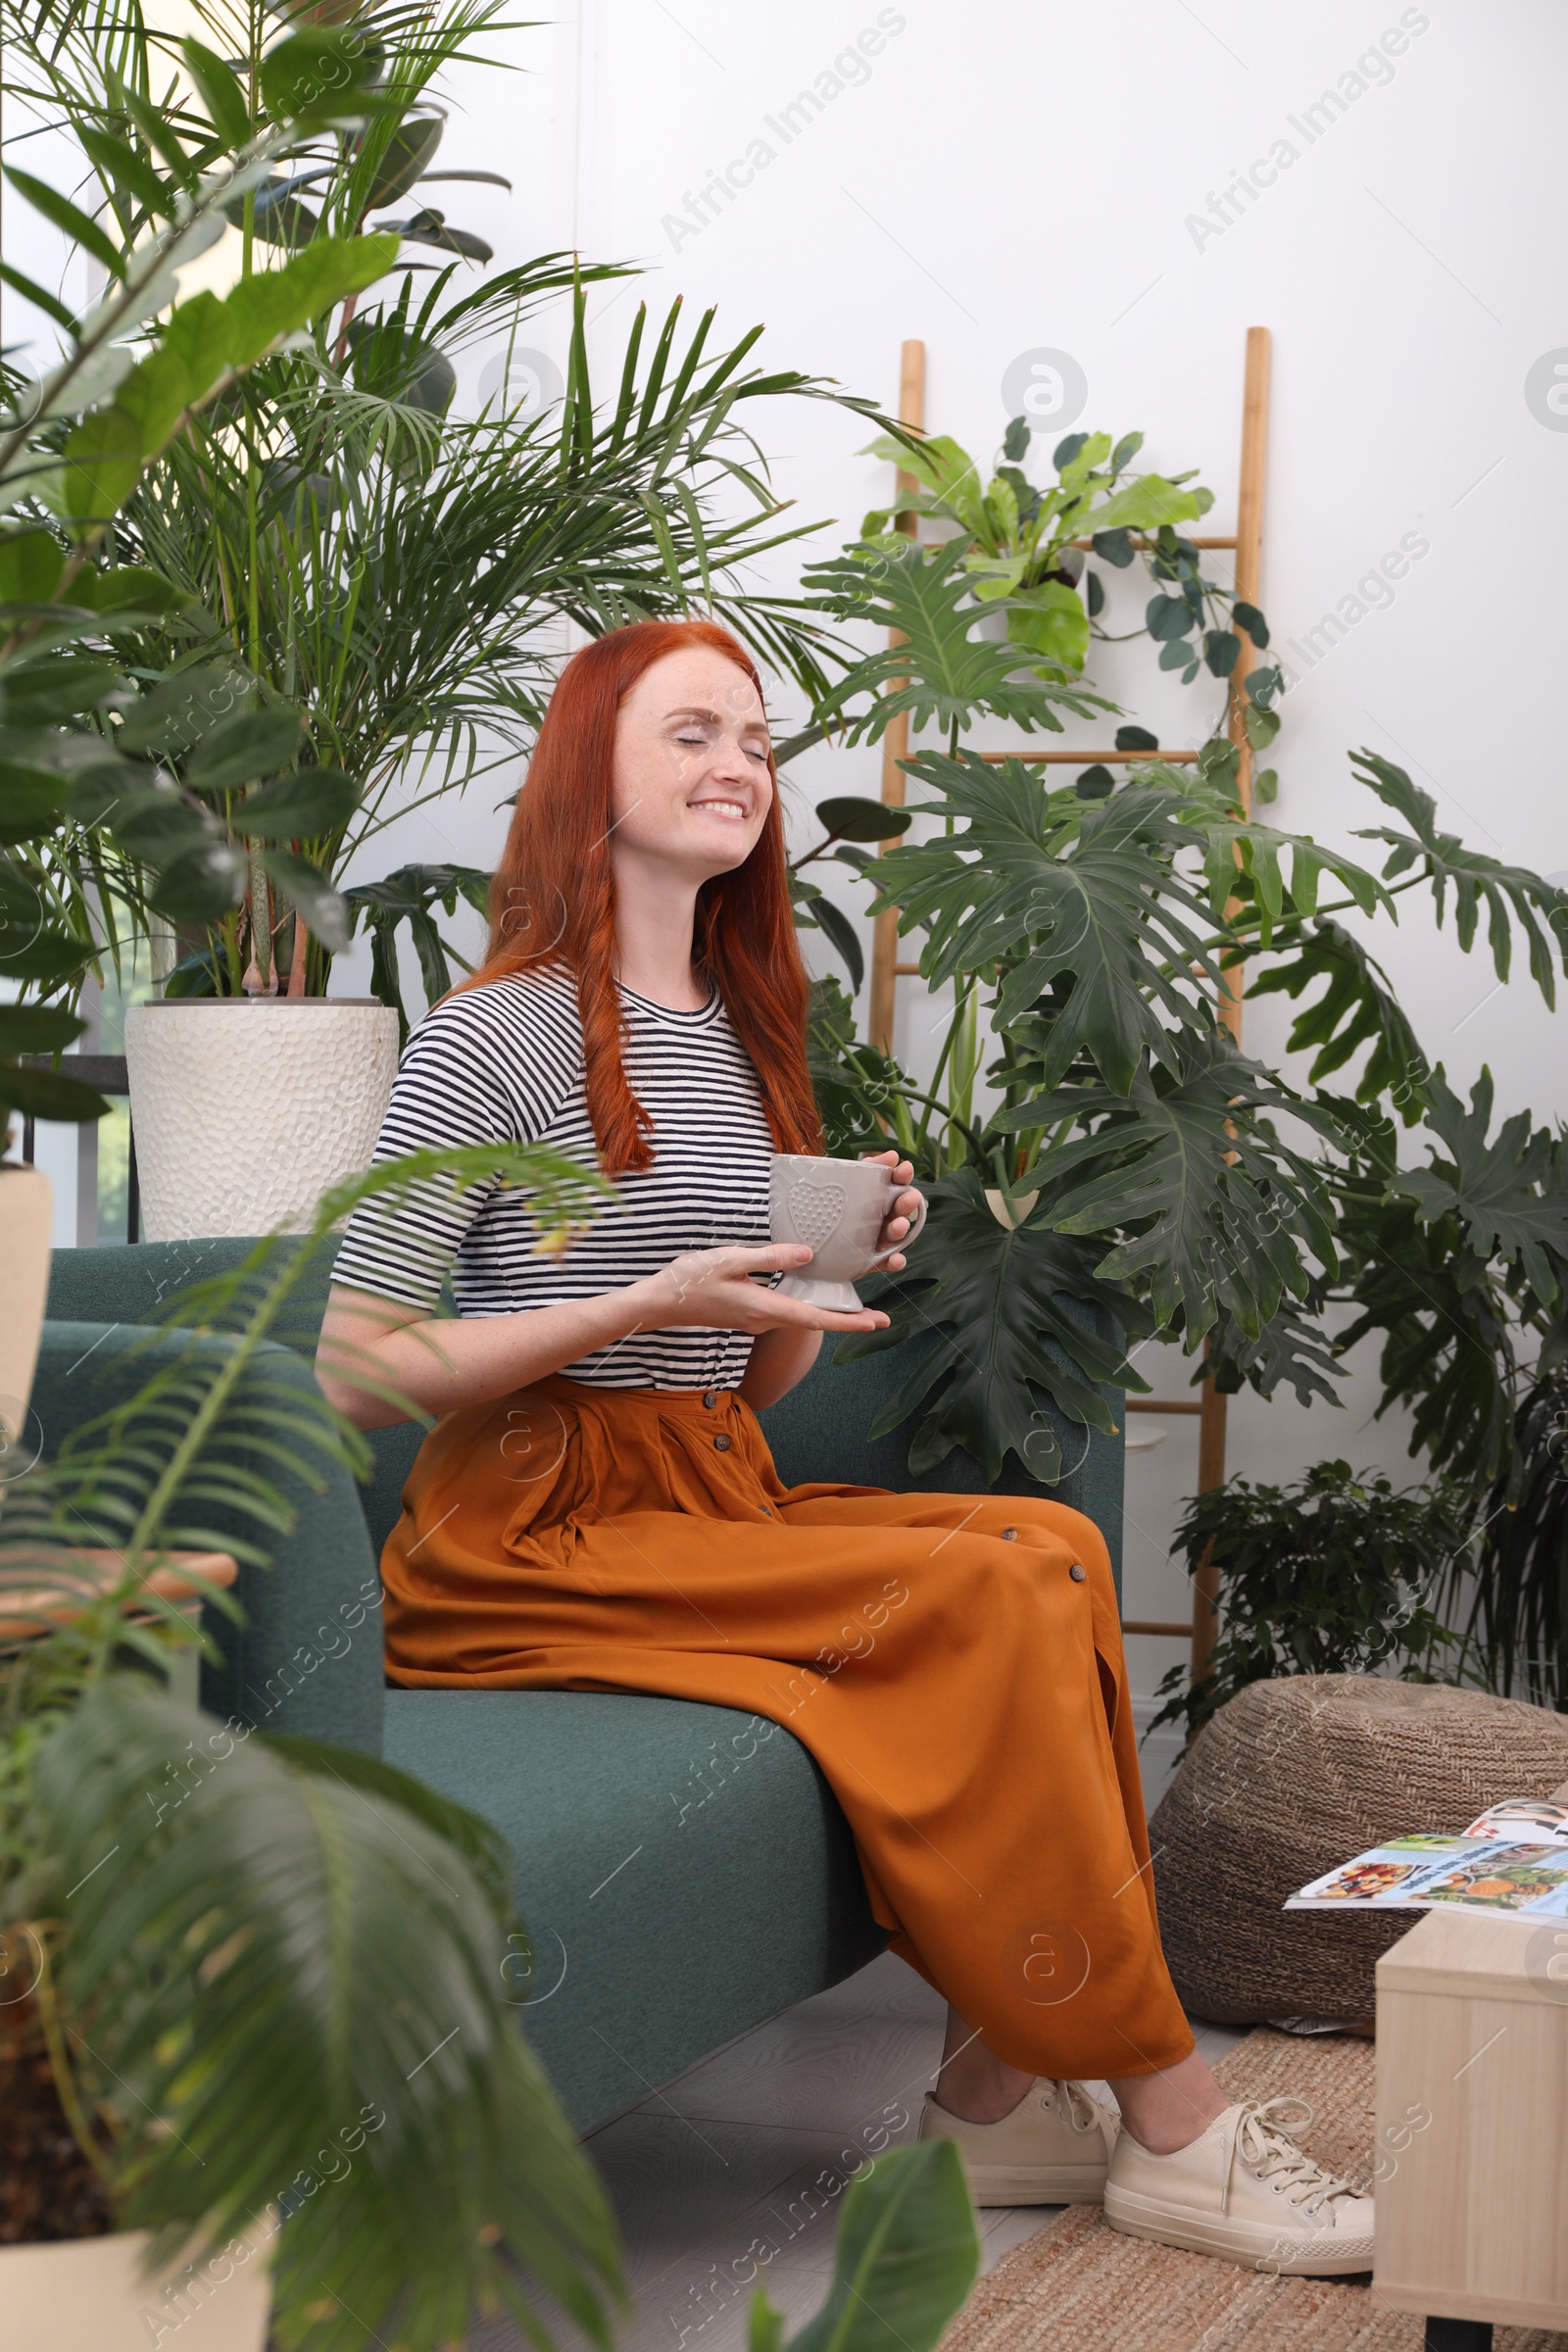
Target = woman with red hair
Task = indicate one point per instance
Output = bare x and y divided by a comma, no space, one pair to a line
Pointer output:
596,1506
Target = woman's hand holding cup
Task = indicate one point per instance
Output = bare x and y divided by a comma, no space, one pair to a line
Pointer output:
856,1215
905,1208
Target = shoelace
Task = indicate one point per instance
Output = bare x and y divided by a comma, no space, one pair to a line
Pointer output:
1267,2151
1082,2113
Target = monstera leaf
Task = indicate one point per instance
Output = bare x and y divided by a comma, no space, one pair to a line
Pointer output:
1216,1213
1357,1008
944,672
1017,1309
1047,886
1477,881
1451,1335
1288,1351
1509,1197
1243,846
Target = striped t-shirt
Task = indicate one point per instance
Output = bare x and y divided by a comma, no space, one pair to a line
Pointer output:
504,1063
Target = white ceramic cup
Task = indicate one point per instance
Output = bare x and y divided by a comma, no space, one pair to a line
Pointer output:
838,1209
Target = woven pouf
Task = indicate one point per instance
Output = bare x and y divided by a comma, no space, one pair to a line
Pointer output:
1295,1775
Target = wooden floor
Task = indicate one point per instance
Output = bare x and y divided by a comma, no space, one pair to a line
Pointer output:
734,2164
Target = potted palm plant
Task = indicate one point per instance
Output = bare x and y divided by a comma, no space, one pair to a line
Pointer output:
374,572
89,821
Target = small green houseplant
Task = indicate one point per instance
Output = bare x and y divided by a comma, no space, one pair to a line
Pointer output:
1333,1574
1026,548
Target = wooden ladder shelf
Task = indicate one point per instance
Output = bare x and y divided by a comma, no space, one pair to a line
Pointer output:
887,969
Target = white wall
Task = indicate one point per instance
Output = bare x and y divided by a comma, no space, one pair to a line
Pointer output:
1008,177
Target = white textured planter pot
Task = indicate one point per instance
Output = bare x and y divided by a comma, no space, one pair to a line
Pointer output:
87,2294
27,1219
246,1110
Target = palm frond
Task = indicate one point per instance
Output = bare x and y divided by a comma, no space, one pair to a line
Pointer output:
302,1980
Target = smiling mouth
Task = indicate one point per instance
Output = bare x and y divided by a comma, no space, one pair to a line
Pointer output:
734,811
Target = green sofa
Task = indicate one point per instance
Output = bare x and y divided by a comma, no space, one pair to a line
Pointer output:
684,1870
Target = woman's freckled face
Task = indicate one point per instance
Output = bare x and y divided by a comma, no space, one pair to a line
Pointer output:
691,787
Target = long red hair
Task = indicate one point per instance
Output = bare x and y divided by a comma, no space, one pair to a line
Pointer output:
552,901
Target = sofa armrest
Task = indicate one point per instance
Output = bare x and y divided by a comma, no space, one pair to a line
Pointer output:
308,1659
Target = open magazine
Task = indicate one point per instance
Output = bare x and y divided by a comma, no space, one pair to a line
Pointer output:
1513,1859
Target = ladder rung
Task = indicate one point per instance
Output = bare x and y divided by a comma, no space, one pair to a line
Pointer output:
1080,759
1163,1404
1156,1625
1141,541
905,971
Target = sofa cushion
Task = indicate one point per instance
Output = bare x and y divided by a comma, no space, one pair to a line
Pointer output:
684,1871
308,1658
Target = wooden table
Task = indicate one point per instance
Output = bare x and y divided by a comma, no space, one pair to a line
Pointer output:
1471,2177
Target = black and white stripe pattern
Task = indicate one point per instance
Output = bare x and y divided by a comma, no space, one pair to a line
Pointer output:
504,1063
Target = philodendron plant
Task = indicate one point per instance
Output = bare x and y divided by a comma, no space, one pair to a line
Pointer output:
1107,1165
1025,547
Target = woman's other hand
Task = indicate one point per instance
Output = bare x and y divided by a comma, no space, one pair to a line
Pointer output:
713,1288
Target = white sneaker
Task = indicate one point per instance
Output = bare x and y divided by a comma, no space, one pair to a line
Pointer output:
1052,2149
1243,2191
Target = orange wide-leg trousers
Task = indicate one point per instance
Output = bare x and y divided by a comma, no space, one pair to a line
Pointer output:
954,1663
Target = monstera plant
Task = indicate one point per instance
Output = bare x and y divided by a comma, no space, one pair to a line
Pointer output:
1103,1162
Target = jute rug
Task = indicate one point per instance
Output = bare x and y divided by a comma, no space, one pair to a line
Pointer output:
1078,2287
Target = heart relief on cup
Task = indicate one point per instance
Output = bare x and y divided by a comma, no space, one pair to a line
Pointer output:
836,1207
